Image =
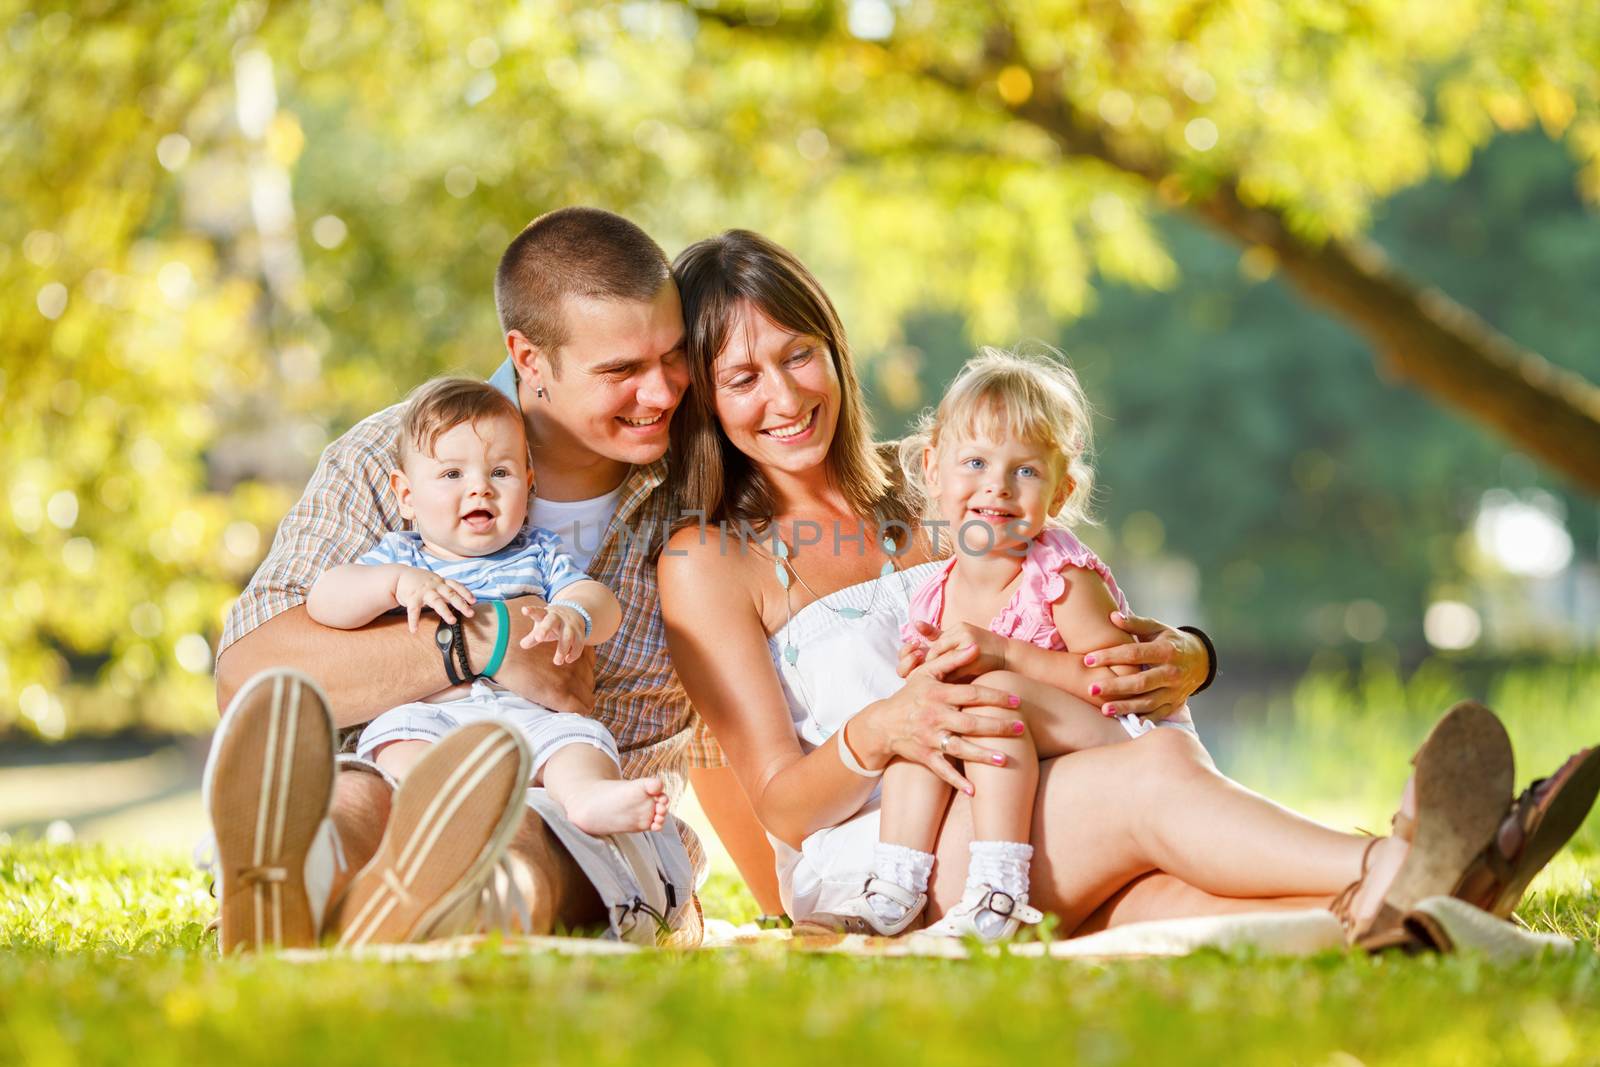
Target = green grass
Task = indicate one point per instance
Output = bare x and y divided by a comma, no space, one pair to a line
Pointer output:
102,960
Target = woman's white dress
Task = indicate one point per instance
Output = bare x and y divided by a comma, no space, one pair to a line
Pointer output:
841,665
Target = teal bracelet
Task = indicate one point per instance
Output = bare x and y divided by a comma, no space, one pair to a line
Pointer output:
502,639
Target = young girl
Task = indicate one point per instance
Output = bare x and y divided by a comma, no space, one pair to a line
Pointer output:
1004,466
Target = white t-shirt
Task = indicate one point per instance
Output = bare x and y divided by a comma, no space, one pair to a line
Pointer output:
579,523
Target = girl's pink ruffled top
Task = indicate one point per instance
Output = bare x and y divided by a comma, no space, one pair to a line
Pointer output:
1028,616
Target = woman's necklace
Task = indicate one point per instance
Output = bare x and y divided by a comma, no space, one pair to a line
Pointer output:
783,567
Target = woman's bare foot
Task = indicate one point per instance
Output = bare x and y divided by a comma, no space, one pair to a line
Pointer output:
1451,809
1388,855
618,807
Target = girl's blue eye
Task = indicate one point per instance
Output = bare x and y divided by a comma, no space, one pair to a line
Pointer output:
974,463
1028,472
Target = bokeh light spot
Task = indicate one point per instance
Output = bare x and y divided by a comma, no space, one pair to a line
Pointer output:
172,151
52,300
1201,134
329,231
1451,625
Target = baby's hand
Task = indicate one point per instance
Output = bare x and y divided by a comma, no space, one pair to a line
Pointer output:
560,624
415,589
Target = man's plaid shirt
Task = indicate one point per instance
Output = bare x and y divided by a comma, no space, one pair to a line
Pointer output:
347,507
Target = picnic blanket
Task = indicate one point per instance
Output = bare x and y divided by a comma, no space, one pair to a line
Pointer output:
1452,926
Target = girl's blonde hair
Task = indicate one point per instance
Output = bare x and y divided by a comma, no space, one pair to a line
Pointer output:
1029,397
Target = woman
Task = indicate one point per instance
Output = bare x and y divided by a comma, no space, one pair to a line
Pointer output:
786,636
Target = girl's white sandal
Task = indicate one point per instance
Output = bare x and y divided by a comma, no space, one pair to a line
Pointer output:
961,920
857,916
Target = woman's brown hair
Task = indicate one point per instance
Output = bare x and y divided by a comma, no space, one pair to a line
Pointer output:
715,277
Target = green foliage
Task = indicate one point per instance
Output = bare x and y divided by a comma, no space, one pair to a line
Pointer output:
203,295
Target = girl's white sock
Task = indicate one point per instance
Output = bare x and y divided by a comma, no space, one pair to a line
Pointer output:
906,868
1001,865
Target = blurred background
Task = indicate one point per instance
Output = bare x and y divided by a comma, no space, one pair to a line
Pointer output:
1328,271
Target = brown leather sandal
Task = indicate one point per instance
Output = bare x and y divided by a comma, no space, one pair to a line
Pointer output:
1462,780
1535,827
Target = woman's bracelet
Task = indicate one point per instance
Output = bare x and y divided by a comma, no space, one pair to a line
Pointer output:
588,623
848,758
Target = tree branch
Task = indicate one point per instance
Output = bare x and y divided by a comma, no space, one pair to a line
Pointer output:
1420,333
1423,336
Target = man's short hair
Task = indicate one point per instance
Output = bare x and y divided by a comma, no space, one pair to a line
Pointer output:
574,251
436,407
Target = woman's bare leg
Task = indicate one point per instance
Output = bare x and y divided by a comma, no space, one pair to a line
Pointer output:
1192,821
1159,895
1106,816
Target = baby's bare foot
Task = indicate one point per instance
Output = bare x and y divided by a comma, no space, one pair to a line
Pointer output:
612,807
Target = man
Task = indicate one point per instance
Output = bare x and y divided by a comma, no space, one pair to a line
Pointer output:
594,334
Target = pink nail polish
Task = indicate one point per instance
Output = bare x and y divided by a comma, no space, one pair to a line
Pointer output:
968,790
1017,727
1014,700
1088,661
999,760
1094,690
1111,709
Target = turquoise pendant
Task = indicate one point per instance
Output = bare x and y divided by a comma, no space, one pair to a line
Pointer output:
782,550
791,653
851,613
783,574
888,569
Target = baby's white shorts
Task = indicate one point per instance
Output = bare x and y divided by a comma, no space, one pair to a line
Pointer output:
547,732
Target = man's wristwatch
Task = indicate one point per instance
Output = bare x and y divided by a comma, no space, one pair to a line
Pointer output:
451,641
1211,656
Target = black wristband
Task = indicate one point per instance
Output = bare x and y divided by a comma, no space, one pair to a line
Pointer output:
451,641
1211,656
460,646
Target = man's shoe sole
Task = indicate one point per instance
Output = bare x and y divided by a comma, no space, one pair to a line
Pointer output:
267,787
451,820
